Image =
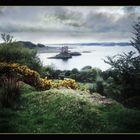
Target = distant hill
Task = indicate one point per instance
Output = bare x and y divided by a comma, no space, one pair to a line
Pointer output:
55,48
107,44
98,44
28,44
39,46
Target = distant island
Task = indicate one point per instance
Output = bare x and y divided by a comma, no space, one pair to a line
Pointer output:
86,51
65,54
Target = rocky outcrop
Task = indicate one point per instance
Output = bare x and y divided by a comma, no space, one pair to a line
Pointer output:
75,53
62,56
65,55
86,52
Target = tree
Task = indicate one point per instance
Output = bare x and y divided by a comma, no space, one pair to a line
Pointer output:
126,68
7,38
135,42
13,52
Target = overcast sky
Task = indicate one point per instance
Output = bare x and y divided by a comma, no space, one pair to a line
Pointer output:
69,24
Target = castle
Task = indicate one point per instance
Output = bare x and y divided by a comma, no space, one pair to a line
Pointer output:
64,49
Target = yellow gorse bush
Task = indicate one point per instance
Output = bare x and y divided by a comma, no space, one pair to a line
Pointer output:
69,83
33,78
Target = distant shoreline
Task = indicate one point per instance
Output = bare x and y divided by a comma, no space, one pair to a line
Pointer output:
94,44
47,51
56,48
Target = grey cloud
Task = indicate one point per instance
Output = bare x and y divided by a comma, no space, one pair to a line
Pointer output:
16,28
69,21
65,16
2,8
98,21
74,24
103,22
29,19
129,9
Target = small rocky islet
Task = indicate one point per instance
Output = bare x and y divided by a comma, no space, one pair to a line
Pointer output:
65,54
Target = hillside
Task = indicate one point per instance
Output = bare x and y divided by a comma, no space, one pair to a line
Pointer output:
68,111
39,47
30,45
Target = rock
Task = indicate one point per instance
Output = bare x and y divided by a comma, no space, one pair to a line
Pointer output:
75,53
86,52
62,56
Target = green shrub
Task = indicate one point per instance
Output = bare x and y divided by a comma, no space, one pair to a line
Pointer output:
14,52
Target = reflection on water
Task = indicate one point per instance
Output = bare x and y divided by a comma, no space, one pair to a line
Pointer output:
94,58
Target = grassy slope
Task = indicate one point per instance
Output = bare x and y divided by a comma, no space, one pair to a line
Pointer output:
68,111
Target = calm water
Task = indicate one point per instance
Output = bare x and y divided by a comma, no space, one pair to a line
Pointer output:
94,58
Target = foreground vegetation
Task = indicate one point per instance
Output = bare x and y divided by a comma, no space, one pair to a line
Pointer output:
68,111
